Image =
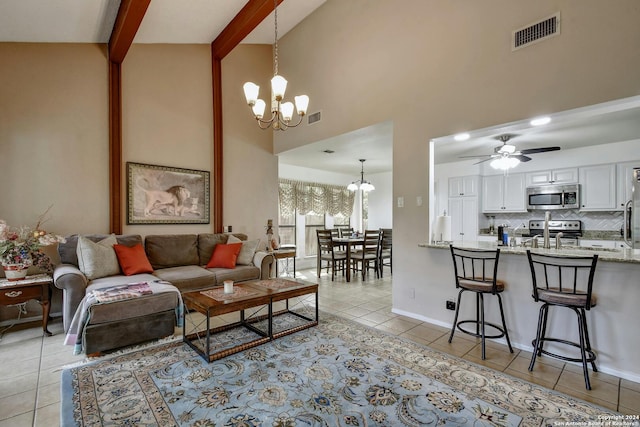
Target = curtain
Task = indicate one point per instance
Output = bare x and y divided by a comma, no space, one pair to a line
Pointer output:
306,197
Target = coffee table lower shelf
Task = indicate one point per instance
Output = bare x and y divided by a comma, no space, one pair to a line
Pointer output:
201,341
219,342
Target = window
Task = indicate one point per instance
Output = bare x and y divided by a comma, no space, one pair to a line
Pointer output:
287,228
312,222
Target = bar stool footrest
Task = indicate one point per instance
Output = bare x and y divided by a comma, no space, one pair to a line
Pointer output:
479,325
591,356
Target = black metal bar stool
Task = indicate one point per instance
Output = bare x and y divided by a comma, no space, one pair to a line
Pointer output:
563,281
476,271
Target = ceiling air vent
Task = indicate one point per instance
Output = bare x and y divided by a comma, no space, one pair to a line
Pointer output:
315,117
536,32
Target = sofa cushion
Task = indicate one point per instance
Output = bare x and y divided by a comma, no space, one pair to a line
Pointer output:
132,260
67,250
172,250
239,274
97,259
247,252
208,241
225,255
188,277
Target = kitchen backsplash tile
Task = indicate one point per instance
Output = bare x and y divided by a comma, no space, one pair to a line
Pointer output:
591,221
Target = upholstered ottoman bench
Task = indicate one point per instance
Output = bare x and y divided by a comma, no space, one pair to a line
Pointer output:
131,320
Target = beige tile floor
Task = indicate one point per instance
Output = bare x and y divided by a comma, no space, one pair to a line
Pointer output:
30,364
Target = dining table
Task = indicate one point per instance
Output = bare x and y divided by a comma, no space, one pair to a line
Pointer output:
348,242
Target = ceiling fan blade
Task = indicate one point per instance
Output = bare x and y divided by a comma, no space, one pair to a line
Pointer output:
475,157
521,157
482,161
539,150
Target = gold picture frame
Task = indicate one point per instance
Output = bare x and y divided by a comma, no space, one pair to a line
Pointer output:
167,195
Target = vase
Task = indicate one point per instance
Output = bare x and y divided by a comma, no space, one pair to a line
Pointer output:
15,272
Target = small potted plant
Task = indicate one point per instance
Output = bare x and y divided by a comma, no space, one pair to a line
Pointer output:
20,248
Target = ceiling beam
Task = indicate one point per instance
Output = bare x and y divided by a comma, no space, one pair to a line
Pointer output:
128,21
249,17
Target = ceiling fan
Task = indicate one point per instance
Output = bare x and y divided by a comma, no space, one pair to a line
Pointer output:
505,156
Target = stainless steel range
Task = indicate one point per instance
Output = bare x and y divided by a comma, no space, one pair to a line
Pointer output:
571,230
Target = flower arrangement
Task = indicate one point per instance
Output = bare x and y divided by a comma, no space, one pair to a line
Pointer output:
21,245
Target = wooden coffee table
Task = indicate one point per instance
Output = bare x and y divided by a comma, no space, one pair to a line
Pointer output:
245,296
283,290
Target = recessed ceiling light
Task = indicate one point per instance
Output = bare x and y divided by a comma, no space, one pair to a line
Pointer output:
461,137
539,121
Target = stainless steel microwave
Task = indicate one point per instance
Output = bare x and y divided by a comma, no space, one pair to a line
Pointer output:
552,197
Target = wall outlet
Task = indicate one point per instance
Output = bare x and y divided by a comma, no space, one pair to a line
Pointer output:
451,305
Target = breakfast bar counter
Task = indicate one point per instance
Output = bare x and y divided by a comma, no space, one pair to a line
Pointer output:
612,323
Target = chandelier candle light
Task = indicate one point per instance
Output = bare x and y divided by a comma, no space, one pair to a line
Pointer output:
361,184
281,112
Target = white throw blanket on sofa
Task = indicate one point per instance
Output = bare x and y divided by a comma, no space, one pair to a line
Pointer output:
75,334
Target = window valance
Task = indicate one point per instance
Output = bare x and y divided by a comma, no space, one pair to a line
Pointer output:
306,197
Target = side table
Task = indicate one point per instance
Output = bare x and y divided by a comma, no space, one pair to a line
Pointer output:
31,287
285,253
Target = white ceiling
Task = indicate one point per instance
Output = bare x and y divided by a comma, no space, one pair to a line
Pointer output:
166,21
200,21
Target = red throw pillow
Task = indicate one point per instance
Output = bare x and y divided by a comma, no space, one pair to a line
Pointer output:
133,260
225,255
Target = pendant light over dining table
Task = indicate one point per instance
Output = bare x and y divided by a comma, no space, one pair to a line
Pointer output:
281,112
361,184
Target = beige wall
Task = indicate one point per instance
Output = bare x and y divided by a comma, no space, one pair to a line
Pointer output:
167,116
439,67
250,168
54,135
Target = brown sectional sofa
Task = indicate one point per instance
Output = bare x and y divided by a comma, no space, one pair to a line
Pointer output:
179,259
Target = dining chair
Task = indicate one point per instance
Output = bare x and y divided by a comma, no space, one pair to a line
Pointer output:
368,254
345,231
386,250
327,252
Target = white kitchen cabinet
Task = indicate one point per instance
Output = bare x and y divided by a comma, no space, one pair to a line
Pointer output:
623,182
553,176
598,188
503,193
464,218
464,186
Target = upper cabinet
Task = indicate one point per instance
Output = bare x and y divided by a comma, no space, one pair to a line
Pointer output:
598,188
624,182
555,176
503,193
463,186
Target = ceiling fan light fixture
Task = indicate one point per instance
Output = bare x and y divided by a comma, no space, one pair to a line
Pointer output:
507,148
504,163
540,121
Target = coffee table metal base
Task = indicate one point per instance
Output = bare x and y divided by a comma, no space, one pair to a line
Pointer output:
201,341
259,294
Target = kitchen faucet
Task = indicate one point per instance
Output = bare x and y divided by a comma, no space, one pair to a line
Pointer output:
545,235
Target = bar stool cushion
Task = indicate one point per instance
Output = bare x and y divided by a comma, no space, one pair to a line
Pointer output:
555,296
480,285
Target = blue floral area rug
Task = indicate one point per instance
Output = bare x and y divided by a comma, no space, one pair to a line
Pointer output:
339,373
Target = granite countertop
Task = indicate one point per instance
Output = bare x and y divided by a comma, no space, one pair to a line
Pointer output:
613,255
